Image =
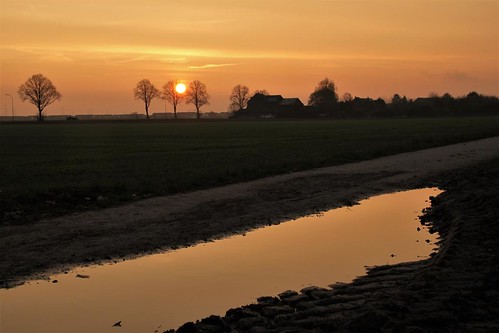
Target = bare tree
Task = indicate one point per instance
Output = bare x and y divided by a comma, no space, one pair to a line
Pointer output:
172,96
146,92
239,98
197,95
39,91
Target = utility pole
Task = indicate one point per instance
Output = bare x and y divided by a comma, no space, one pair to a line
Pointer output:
12,107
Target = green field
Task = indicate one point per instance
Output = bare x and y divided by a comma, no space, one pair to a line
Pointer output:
55,168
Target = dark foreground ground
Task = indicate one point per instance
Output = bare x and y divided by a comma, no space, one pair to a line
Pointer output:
38,250
456,290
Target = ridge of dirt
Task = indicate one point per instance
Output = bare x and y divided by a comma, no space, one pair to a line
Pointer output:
162,223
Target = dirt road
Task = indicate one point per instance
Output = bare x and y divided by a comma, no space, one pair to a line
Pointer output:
161,223
456,290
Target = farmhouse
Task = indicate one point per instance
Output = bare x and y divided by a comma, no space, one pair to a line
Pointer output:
270,106
273,103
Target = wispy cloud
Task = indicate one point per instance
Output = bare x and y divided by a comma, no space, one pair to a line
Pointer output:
171,54
451,76
459,76
211,66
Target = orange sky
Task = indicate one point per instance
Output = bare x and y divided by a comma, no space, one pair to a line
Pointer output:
96,51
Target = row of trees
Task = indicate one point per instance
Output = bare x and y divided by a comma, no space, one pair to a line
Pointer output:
446,105
41,92
174,93
323,101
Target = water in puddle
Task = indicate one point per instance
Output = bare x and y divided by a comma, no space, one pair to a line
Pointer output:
163,291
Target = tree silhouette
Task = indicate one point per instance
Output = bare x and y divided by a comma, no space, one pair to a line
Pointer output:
146,92
396,99
324,94
239,98
39,91
172,96
197,95
261,92
347,97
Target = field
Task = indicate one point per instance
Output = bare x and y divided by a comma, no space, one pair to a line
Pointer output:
57,168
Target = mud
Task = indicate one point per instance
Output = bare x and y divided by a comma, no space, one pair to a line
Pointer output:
457,290
162,223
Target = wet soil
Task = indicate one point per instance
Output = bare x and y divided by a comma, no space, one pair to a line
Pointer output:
157,224
456,290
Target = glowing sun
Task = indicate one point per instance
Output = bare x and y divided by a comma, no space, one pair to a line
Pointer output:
180,88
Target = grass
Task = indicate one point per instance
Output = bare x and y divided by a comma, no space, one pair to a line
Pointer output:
53,169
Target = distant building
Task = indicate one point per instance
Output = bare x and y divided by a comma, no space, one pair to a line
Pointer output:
425,101
291,102
260,102
270,106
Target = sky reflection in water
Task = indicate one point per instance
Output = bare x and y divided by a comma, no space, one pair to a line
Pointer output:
162,291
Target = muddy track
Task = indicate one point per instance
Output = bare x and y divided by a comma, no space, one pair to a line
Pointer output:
155,224
457,290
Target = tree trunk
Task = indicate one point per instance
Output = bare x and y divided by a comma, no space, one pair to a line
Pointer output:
40,118
175,111
147,112
197,112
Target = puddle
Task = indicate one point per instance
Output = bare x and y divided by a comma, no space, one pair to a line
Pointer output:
163,291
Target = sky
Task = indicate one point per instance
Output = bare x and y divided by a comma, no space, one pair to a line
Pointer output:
95,52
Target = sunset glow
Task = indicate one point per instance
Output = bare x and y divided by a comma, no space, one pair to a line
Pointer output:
180,88
94,52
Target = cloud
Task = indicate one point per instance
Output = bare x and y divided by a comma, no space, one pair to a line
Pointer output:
451,76
459,76
211,66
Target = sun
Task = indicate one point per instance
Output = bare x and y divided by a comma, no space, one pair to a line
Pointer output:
180,88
